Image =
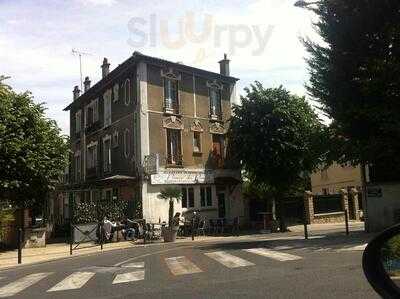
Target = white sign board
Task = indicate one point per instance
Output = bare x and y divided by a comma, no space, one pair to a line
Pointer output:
182,177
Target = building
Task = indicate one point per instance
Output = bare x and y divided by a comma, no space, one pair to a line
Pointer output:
334,178
152,123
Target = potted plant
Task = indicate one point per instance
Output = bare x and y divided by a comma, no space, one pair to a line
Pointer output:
170,194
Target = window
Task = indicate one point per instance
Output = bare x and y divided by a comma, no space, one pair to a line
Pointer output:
92,113
107,108
126,143
191,197
206,196
116,92
107,154
171,95
77,161
115,140
184,198
196,142
174,147
215,103
218,148
187,197
78,121
91,156
127,92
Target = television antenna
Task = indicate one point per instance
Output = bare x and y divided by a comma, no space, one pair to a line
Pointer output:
80,54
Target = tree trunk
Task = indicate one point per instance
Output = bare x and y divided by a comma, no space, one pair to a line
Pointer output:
171,212
281,214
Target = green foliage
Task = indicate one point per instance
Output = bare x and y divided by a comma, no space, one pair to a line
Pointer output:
33,154
277,136
355,75
6,216
94,211
170,193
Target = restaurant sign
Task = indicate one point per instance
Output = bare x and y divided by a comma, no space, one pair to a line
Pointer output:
182,177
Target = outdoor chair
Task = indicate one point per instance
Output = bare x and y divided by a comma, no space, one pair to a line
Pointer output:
201,228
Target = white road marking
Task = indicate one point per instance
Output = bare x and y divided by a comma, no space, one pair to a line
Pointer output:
139,265
180,265
228,260
354,248
128,277
21,284
74,281
275,255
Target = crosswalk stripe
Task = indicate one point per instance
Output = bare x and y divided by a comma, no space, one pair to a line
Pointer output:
134,265
21,284
354,248
74,281
128,277
228,260
180,265
275,255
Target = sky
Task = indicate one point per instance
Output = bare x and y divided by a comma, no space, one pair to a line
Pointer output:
260,37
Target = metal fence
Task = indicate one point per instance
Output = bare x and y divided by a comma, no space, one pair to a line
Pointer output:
327,203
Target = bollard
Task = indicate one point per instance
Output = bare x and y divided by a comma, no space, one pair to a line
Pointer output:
305,229
192,229
101,236
19,244
71,238
346,220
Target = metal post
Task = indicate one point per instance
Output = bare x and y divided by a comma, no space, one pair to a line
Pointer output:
19,245
305,229
101,235
71,237
346,220
193,229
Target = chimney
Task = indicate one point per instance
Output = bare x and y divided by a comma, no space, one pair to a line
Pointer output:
76,92
224,66
86,84
105,67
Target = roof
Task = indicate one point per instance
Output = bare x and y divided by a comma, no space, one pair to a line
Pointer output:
136,57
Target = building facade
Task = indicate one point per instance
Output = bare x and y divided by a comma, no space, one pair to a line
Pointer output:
334,178
152,123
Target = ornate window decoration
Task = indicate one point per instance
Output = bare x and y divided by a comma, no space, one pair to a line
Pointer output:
170,74
217,128
172,122
214,84
196,126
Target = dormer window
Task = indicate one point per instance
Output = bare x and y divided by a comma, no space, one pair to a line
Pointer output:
171,92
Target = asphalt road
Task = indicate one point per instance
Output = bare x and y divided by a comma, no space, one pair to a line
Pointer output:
326,267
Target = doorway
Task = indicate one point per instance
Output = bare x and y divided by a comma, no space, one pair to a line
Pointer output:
221,205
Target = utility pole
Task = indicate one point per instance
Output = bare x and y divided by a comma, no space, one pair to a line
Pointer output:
80,54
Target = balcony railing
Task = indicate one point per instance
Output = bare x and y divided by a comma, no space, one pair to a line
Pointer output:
174,160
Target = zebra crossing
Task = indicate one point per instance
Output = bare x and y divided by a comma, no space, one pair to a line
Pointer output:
135,271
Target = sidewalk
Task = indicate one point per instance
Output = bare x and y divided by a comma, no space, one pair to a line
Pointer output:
8,259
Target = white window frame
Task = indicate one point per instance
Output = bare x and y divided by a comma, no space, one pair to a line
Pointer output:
186,190
127,96
109,164
94,159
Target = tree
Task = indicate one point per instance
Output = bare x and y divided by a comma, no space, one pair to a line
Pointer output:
33,153
278,138
170,193
355,75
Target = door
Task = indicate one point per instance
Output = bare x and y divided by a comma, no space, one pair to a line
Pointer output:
221,205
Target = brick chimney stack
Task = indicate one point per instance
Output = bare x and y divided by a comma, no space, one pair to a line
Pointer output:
76,92
105,67
86,84
224,66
